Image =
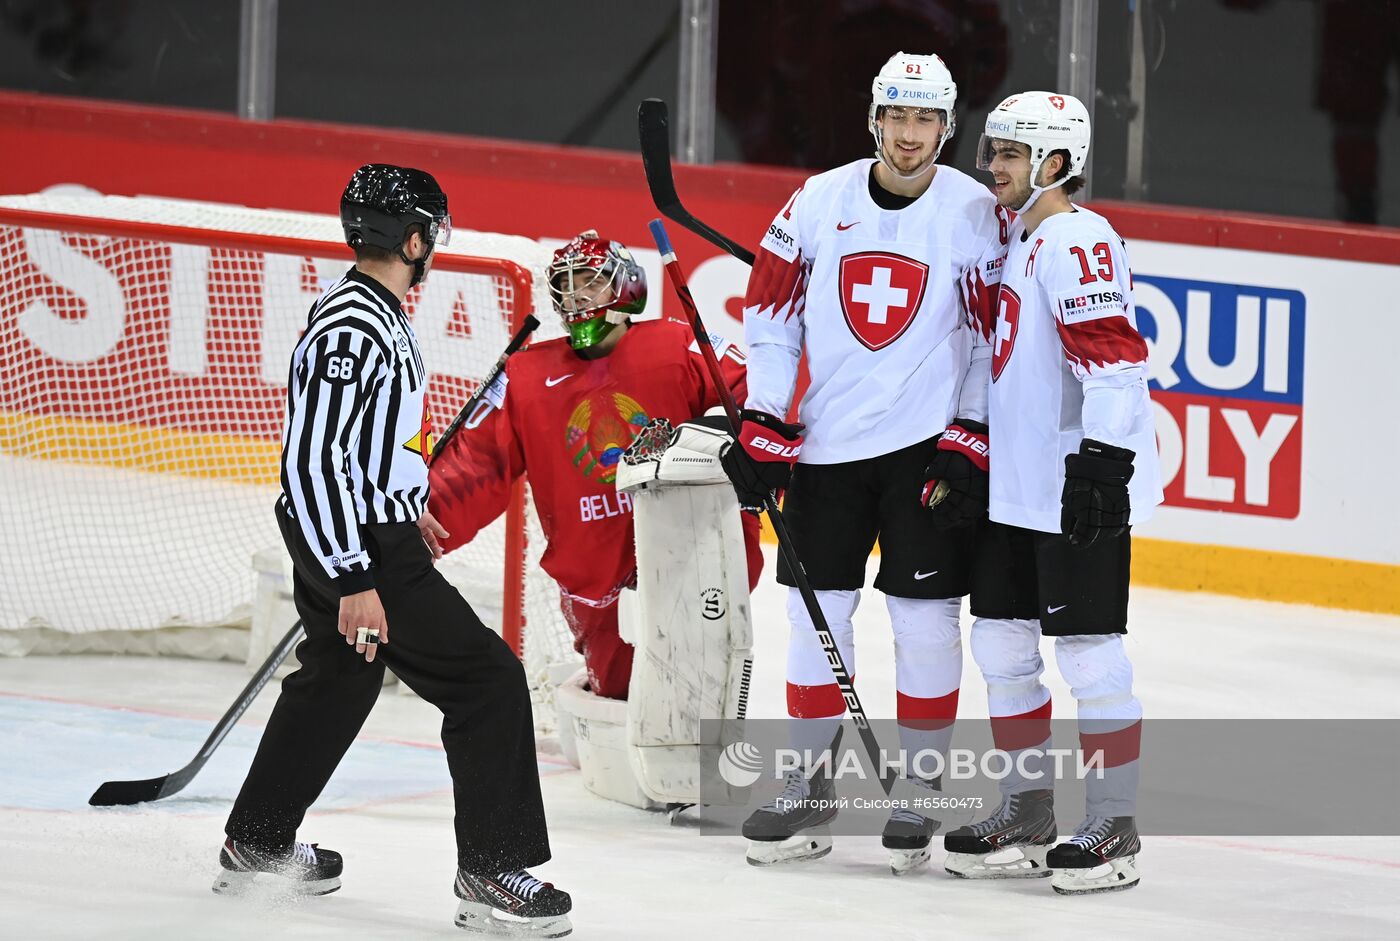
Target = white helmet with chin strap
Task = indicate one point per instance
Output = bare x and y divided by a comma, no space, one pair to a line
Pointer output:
1045,122
910,81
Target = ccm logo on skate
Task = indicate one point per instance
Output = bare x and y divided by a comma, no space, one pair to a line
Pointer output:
508,902
780,448
1225,370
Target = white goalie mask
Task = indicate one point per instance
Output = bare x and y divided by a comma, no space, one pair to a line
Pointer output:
915,82
1045,122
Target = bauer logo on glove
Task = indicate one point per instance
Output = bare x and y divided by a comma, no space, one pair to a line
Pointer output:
788,452
762,461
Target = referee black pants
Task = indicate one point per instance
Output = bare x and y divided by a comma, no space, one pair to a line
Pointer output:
439,647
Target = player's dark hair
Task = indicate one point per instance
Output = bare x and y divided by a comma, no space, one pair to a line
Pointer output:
1072,185
377,255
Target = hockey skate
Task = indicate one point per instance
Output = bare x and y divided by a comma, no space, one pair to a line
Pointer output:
304,870
1100,857
1010,844
512,905
908,834
793,825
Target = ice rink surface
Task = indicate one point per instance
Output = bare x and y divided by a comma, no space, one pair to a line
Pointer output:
70,871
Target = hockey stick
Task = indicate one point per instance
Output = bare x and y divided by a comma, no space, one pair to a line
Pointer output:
114,793
775,516
516,342
654,134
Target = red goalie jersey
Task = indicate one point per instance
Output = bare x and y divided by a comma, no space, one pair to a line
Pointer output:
564,421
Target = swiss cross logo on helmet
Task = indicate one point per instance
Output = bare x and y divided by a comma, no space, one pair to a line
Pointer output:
880,295
1058,101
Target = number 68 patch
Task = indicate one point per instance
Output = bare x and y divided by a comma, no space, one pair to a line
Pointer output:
339,368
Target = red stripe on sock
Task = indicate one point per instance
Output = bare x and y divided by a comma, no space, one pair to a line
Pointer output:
1022,730
1118,747
928,715
815,702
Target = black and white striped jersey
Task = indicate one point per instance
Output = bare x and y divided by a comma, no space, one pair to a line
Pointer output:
357,437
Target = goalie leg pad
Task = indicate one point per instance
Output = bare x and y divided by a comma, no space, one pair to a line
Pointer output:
693,634
598,728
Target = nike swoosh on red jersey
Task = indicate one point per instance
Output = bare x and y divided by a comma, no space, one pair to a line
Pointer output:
551,382
842,228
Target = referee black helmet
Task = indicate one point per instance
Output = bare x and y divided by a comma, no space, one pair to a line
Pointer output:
382,201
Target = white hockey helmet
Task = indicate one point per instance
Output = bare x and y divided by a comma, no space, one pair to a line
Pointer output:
1045,122
911,81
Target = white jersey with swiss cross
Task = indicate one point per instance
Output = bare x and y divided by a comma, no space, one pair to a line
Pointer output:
882,301
1068,363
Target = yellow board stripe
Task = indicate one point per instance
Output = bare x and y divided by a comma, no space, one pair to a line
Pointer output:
136,447
1256,573
1273,576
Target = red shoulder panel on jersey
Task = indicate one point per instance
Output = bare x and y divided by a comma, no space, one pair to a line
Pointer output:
776,285
1102,342
981,302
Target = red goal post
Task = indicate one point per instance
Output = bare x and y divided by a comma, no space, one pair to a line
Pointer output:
142,393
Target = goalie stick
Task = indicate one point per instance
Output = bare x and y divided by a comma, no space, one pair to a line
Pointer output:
120,793
516,342
770,506
654,134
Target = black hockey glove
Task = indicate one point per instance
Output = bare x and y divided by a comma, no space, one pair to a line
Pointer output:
955,483
1095,498
761,460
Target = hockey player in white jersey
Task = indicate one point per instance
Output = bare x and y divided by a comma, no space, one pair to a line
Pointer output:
1073,465
876,270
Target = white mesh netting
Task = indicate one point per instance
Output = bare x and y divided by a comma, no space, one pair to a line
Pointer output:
142,403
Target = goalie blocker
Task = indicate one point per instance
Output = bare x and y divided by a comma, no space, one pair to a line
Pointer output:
688,620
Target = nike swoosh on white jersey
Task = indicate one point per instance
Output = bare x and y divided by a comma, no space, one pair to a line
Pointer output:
551,383
1050,610
920,576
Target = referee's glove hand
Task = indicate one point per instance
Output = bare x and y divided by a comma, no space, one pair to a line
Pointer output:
955,482
363,610
761,460
432,532
1094,503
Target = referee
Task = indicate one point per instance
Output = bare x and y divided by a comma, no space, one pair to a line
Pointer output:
353,517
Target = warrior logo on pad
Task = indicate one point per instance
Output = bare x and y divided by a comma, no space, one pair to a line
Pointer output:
880,295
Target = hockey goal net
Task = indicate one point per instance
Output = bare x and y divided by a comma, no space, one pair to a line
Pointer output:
145,345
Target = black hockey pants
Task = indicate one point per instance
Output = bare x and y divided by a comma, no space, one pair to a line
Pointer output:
439,647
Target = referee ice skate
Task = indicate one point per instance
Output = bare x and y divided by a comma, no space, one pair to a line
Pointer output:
353,517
